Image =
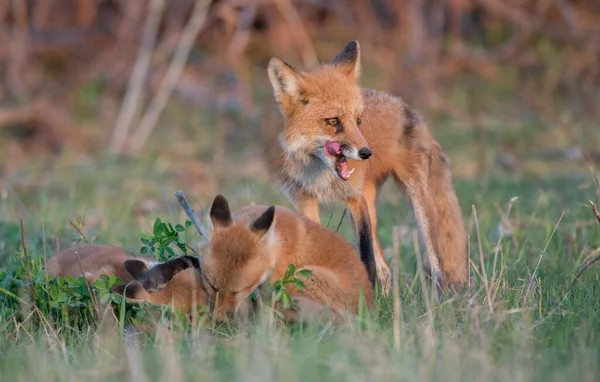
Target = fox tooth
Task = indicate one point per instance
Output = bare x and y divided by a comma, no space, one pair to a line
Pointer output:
351,171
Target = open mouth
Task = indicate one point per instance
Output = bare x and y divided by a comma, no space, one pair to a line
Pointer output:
334,149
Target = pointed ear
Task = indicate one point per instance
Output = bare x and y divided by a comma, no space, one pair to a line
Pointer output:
136,268
261,225
348,60
285,81
220,214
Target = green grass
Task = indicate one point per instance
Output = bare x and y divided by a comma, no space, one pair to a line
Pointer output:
538,324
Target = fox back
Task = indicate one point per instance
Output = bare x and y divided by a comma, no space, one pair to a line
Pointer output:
259,242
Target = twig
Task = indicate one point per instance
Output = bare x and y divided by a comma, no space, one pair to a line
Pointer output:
544,251
138,74
596,255
484,273
92,296
341,220
396,287
329,221
422,278
299,33
79,231
188,36
27,264
595,211
190,212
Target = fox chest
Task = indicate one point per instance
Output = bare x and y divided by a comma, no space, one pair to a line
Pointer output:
315,179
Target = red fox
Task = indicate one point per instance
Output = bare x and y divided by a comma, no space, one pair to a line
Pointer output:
99,259
341,142
245,249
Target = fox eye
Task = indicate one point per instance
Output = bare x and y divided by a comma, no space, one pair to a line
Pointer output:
358,121
332,121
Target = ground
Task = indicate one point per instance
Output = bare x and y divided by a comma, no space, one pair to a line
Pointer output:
526,318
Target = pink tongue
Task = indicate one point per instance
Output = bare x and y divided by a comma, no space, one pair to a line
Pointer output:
333,148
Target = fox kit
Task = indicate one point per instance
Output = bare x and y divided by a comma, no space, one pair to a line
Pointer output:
341,142
100,259
257,242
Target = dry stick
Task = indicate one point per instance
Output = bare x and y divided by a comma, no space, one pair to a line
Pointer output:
501,236
299,33
46,268
188,36
422,277
596,254
27,264
79,231
595,211
396,286
484,274
189,211
341,220
544,250
138,74
92,296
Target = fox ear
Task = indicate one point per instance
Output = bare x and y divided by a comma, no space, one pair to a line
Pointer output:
261,225
136,268
348,60
220,214
285,81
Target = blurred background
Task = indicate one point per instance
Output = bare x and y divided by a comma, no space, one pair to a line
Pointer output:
106,102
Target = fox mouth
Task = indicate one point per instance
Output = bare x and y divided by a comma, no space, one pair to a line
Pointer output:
334,149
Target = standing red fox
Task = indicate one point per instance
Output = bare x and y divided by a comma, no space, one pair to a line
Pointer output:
256,243
331,127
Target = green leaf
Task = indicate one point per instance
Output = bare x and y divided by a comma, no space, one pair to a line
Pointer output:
170,251
112,281
299,284
291,269
144,250
188,223
304,273
179,228
286,299
145,236
158,228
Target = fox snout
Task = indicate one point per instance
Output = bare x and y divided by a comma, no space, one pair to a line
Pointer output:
363,153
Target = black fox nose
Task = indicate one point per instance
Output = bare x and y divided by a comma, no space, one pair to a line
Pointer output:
364,153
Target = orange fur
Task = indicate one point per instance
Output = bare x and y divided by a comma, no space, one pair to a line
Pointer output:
401,145
257,242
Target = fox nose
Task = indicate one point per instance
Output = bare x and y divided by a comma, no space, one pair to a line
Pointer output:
364,153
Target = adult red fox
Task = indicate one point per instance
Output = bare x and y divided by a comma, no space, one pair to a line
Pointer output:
341,142
102,259
258,242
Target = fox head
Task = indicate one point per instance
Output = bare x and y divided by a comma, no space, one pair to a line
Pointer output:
236,258
323,111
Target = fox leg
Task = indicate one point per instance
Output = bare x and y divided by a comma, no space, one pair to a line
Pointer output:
416,188
307,206
383,270
361,225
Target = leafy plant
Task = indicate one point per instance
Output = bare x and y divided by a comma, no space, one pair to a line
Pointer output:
164,237
291,277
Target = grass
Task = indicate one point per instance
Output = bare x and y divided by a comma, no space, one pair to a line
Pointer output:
529,321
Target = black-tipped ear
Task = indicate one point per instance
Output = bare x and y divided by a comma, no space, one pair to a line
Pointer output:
263,223
136,268
220,214
348,60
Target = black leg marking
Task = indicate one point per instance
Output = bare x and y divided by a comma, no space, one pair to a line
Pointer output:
365,248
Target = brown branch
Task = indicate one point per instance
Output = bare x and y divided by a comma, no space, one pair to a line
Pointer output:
153,112
92,296
595,211
79,231
27,264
